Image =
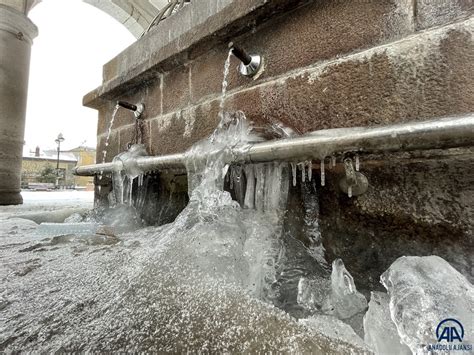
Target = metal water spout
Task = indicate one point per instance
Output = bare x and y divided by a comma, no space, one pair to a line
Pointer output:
250,64
137,109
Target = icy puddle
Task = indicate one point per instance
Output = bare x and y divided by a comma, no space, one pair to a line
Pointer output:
220,278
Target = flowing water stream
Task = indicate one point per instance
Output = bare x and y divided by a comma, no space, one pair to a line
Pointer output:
109,131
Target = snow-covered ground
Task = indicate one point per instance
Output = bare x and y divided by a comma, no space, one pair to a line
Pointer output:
42,201
61,196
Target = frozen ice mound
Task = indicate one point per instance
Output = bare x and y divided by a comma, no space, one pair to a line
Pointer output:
344,300
380,332
423,292
337,296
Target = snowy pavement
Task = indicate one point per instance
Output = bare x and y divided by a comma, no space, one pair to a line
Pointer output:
48,201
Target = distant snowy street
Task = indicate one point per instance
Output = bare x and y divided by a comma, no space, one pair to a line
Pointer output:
42,201
58,198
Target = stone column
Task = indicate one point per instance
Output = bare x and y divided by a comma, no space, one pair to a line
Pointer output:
16,37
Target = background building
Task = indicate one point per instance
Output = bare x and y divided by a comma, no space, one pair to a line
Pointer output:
39,168
84,156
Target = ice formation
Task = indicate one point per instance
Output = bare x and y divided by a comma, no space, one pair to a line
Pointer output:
312,293
380,332
335,329
423,292
206,282
344,300
123,179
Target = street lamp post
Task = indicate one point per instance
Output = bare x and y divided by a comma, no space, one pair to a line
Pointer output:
58,142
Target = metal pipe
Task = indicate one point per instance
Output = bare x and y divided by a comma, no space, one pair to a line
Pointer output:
137,109
250,64
442,133
237,51
127,105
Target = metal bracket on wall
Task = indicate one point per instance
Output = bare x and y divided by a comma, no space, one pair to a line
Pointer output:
354,183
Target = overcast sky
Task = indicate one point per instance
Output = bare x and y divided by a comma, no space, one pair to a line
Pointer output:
75,39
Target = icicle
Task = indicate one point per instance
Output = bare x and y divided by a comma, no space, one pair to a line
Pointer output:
310,170
232,173
333,161
225,169
269,194
293,170
237,173
260,187
323,174
249,201
357,163
237,184
303,172
130,187
349,191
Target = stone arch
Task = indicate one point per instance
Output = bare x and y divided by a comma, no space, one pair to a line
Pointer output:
135,15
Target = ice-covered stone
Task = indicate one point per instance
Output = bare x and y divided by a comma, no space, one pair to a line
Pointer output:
344,300
380,332
423,292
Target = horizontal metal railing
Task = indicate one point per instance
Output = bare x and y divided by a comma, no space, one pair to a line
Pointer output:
442,133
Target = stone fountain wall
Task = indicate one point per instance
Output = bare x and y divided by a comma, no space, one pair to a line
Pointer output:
327,64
